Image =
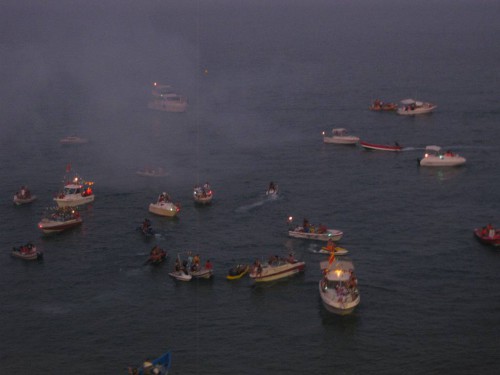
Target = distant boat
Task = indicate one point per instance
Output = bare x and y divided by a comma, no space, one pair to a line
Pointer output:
435,157
380,106
340,136
165,99
73,140
411,107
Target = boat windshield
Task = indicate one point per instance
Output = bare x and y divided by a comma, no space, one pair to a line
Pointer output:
72,190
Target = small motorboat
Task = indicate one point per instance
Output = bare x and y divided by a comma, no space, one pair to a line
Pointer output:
238,271
380,106
488,235
23,196
152,172
276,268
341,137
27,252
156,256
339,286
75,193
312,232
164,206
60,219
380,147
411,107
158,366
203,194
165,99
435,157
73,140
272,190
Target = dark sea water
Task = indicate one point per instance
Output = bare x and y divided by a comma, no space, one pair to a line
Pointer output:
264,79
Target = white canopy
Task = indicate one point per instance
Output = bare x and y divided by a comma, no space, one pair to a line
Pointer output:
433,148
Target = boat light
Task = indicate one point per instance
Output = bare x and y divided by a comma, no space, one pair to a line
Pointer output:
323,133
338,273
290,218
426,155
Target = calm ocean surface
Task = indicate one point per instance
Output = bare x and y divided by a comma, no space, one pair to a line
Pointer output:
264,79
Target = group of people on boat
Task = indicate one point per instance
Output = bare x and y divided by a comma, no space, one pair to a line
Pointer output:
164,198
26,249
191,264
488,231
204,190
310,228
64,214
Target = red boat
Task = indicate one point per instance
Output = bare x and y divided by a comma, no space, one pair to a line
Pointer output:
488,236
373,146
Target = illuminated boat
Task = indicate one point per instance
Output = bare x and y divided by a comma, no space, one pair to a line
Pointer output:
488,235
380,147
165,99
164,206
203,194
339,287
23,196
435,157
75,193
60,219
411,107
341,137
27,252
276,268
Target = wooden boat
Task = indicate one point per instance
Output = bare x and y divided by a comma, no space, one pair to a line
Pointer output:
340,136
61,219
238,271
26,252
380,106
411,107
488,235
158,366
339,287
277,268
379,147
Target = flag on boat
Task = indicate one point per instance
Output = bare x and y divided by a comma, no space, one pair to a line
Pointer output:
332,258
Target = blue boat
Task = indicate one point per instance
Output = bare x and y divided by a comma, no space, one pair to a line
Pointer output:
158,366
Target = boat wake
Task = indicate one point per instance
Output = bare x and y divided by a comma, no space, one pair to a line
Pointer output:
252,206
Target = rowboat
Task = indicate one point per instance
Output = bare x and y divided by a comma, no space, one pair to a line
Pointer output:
158,366
277,268
488,235
339,287
27,252
340,136
435,157
380,147
411,107
238,271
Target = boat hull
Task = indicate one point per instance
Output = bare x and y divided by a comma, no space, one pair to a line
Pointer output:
446,161
488,240
341,140
202,274
49,226
166,209
272,273
20,201
180,275
333,234
337,303
74,200
32,255
417,111
378,147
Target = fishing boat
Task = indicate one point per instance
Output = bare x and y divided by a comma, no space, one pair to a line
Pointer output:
312,232
435,157
276,268
341,137
23,196
411,107
203,194
272,190
158,366
380,147
151,172
165,99
60,219
338,287
76,192
27,252
164,206
157,255
380,106
238,271
488,235
73,140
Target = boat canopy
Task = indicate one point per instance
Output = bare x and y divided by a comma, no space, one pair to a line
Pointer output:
433,148
408,101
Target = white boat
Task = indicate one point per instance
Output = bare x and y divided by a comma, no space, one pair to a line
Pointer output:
412,107
76,192
340,136
203,194
311,232
164,206
277,268
339,287
181,275
73,140
164,99
23,196
27,252
60,219
152,172
435,157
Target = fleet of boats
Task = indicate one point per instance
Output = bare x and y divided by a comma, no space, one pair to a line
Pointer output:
340,136
435,157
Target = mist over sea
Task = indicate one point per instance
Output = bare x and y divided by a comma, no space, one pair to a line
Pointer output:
263,80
